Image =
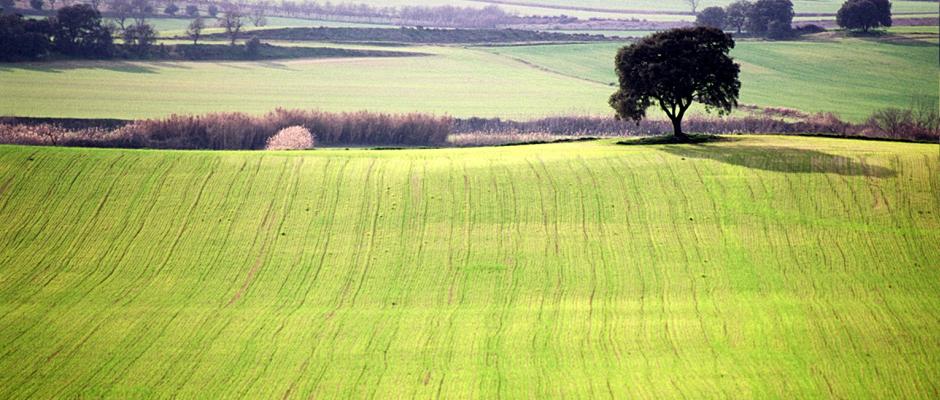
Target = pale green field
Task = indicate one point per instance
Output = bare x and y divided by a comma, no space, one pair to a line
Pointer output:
764,268
851,77
453,81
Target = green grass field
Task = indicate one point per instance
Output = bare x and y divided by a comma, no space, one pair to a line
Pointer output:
519,82
453,81
765,267
851,77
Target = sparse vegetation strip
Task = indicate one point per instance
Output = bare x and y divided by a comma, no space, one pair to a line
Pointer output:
418,35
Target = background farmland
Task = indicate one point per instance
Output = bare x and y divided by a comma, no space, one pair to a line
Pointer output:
761,267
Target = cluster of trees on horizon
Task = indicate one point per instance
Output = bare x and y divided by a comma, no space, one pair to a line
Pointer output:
491,16
764,18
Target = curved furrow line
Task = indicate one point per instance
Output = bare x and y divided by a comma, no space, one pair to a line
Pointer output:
36,289
664,296
263,242
360,226
693,277
637,197
186,224
610,345
373,232
155,180
586,338
91,226
16,176
26,220
325,231
562,278
341,294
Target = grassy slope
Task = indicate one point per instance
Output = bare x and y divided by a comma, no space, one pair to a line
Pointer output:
767,267
851,77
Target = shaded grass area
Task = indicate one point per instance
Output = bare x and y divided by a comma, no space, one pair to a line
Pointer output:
767,267
670,139
416,35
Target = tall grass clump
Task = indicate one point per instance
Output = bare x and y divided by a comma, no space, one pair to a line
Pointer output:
291,138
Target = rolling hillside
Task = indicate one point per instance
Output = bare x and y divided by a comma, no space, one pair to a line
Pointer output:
759,267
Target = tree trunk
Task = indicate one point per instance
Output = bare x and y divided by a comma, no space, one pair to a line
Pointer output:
677,129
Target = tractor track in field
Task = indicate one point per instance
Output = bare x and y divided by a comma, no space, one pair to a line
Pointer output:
547,70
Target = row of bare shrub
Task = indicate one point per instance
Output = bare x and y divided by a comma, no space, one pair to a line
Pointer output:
919,122
898,124
239,131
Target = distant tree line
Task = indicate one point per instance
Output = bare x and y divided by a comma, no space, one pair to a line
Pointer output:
74,31
773,18
417,35
79,31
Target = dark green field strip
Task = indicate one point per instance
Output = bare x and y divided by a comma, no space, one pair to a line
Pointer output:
765,267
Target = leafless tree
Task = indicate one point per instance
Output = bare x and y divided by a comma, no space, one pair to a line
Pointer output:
121,10
140,9
257,14
693,4
195,29
232,22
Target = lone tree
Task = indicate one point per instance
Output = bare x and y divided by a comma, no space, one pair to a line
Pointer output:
139,39
171,9
195,29
864,14
714,17
232,22
78,32
674,68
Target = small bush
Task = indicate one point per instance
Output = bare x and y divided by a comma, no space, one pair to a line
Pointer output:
291,138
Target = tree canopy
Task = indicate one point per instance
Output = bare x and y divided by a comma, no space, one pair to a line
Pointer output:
672,69
711,16
864,14
771,18
22,39
79,32
736,14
